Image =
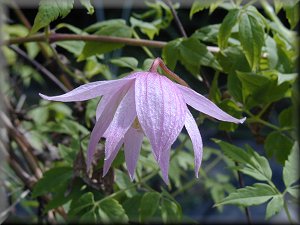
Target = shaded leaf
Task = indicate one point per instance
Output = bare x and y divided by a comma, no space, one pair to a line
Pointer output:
49,181
149,205
116,28
170,53
111,210
170,212
251,36
291,167
129,62
279,145
123,182
225,30
87,4
49,11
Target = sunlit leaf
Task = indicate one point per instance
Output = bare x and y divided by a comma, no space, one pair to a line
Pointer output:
250,195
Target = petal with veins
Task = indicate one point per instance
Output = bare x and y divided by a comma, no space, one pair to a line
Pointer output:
102,124
110,159
91,90
160,110
121,122
164,163
132,145
194,133
206,106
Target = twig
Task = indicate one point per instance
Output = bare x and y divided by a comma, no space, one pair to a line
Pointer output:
25,147
177,20
40,67
54,37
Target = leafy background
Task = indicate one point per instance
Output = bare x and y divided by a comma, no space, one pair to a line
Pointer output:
249,172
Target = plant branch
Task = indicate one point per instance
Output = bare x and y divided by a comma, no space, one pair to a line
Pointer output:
177,20
40,67
55,37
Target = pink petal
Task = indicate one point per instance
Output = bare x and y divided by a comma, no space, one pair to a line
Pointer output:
91,90
160,110
132,145
164,164
206,106
121,122
110,159
194,133
102,123
107,98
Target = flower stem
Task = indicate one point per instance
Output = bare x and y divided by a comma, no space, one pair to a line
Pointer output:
159,63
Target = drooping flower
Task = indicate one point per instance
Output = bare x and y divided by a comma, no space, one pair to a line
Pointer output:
144,103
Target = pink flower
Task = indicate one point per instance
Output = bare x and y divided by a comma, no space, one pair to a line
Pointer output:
144,103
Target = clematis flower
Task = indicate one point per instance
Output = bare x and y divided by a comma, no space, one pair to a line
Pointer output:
144,104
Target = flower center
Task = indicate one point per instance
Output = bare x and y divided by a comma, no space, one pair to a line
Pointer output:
136,125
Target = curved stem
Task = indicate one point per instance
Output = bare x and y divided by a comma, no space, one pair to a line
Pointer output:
159,63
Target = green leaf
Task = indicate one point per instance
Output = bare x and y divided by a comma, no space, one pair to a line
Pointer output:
123,182
199,5
147,28
291,167
50,11
193,54
294,191
251,34
214,91
87,4
279,145
170,212
274,206
128,62
225,30
286,117
251,162
82,205
225,58
65,126
49,182
149,205
261,89
250,195
61,195
231,108
115,28
292,14
111,211
271,49
39,114
130,205
170,53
